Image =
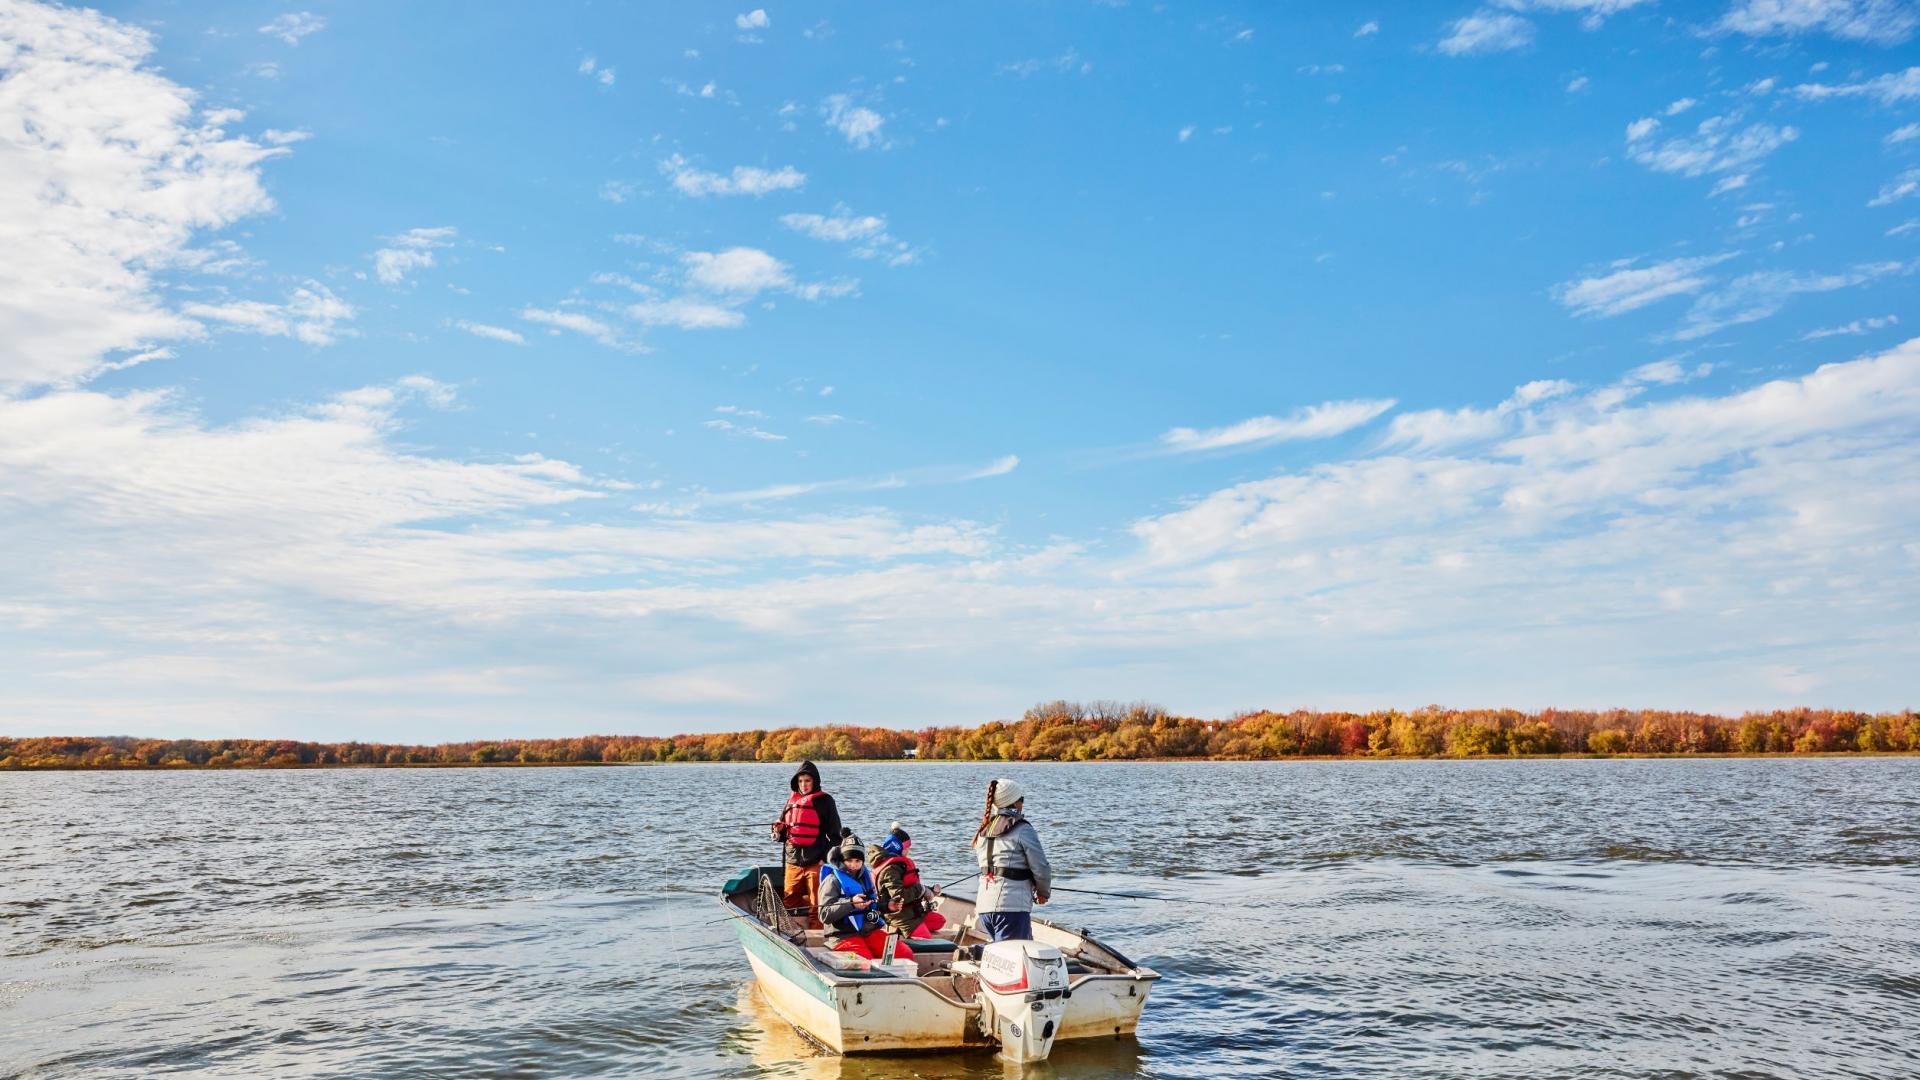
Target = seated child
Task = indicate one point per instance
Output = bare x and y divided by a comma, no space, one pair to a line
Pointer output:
905,904
850,907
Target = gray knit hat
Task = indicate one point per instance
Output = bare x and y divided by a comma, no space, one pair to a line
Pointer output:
850,845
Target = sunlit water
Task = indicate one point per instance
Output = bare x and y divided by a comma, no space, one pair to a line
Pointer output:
1723,918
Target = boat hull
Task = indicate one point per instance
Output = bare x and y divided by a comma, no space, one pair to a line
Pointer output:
870,1013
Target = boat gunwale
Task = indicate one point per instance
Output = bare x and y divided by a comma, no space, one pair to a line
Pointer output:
834,978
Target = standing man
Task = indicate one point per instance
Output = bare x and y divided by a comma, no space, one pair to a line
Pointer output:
809,827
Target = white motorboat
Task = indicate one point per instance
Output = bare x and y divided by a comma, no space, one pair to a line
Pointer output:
959,991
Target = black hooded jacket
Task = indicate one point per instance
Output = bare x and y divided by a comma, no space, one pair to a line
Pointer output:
829,821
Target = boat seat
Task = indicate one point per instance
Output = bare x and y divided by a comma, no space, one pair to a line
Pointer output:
928,946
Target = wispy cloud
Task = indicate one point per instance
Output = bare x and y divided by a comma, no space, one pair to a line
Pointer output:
1889,89
293,26
491,333
576,322
1854,328
1486,31
1900,187
410,251
743,180
1719,144
1756,296
744,431
603,75
1069,62
925,476
1882,22
1310,422
1627,287
865,234
859,125
310,314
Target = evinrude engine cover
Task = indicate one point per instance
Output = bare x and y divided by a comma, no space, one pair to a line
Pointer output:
1023,992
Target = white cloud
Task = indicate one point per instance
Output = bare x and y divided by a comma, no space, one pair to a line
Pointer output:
311,314
745,431
1756,296
492,333
1577,84
1900,187
1854,328
1367,29
737,270
865,234
575,321
1905,227
1185,133
1434,429
753,20
1886,89
1628,287
893,481
603,75
110,174
1718,144
293,26
1311,422
285,138
1486,31
998,467
1904,133
744,180
410,251
1680,106
686,313
1882,22
1067,63
858,124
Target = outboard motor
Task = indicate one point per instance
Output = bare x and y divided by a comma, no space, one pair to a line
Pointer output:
1023,991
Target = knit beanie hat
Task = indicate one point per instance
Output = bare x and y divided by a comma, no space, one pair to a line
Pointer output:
851,847
1006,793
896,840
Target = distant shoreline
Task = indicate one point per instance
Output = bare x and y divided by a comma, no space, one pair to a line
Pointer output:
178,766
1062,731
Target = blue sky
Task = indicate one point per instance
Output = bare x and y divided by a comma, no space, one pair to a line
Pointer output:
424,371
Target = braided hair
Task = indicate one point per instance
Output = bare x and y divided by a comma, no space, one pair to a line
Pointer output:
986,817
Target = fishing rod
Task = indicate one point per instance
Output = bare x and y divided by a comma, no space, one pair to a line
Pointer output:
1137,896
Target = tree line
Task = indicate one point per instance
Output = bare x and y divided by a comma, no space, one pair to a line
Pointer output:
1064,731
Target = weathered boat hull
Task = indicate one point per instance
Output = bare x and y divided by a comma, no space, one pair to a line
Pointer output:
869,1012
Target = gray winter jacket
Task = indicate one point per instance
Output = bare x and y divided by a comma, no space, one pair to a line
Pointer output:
836,906
1014,845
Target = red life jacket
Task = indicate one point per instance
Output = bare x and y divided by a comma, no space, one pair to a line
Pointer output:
801,819
912,876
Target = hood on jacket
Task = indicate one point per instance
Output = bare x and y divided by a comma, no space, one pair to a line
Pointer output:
807,768
1003,821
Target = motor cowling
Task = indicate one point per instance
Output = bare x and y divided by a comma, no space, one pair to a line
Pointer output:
1023,992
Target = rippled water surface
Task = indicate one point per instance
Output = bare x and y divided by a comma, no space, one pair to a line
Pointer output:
1722,918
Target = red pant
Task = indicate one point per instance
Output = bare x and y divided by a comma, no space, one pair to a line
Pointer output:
871,944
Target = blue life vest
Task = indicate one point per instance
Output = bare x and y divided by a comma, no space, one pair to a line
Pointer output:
857,922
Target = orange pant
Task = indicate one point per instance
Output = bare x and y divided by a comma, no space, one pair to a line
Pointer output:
802,890
872,943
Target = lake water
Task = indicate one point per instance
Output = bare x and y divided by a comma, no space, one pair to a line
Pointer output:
1625,918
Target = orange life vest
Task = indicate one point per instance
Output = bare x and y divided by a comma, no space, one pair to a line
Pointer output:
909,880
801,819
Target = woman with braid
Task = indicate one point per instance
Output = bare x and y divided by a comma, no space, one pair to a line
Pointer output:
1014,871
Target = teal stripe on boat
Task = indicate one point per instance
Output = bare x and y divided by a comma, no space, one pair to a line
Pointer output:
784,963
